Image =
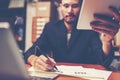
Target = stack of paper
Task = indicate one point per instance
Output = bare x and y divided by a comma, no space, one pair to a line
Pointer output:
33,72
76,71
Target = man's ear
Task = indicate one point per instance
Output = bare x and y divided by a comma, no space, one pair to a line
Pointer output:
60,4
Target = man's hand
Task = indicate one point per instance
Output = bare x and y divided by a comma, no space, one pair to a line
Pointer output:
107,25
42,63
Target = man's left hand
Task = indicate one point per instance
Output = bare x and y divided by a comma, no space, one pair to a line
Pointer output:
106,24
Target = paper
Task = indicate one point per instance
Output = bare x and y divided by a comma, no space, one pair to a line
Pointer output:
87,73
33,72
76,71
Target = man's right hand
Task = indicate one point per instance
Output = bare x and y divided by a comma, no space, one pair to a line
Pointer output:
42,63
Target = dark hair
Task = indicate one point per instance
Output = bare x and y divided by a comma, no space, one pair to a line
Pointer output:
59,1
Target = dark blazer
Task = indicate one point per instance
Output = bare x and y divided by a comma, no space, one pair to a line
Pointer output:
84,45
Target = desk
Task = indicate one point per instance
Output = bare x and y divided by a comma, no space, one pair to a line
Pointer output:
113,76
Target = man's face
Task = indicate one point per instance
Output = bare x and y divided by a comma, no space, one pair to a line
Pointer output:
70,10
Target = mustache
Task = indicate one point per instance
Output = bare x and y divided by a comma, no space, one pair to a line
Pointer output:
70,15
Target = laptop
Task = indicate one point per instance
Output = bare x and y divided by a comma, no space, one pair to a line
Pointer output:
12,66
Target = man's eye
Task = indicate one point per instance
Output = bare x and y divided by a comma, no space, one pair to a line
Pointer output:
75,5
66,5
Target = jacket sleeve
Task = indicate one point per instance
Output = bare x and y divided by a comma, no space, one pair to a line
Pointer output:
40,46
101,57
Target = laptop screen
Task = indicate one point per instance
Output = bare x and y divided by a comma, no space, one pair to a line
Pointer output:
11,62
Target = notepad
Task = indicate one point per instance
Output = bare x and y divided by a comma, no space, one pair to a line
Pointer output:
46,75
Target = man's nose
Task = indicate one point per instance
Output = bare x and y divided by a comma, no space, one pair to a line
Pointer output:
70,9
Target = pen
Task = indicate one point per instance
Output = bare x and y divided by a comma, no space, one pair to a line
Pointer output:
37,47
56,69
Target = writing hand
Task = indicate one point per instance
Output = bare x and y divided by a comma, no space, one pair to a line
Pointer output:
42,63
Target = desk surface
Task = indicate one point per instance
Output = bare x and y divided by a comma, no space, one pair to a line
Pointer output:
113,76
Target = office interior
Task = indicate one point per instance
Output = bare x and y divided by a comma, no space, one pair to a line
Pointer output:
28,17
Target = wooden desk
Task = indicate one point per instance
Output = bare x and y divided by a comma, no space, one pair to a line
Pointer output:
113,76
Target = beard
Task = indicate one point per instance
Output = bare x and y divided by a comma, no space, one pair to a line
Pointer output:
71,19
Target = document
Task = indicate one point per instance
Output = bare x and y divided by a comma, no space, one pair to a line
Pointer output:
86,73
76,71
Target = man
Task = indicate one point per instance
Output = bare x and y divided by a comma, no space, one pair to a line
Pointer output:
67,44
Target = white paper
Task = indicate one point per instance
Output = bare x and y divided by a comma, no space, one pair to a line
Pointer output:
76,71
87,73
33,72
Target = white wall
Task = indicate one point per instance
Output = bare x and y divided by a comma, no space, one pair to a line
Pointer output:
30,13
118,38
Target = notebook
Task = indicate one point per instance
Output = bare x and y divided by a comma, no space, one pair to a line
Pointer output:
12,66
89,7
